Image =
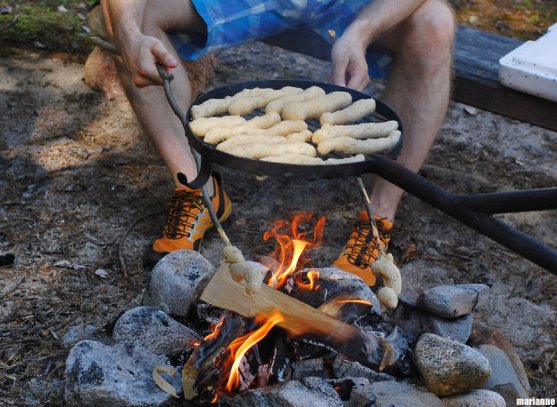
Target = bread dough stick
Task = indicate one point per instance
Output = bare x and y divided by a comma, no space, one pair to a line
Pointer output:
356,131
253,126
287,127
213,107
347,160
298,159
356,111
265,121
201,126
251,139
306,160
256,151
304,135
277,104
350,145
315,107
219,134
248,104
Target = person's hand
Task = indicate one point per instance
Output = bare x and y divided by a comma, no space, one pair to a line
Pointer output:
349,62
140,53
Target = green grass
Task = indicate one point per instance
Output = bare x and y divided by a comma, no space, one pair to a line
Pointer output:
44,27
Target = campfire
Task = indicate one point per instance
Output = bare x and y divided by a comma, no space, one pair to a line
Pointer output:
316,333
242,353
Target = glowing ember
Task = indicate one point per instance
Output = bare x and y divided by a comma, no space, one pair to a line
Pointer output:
355,302
240,346
291,244
313,277
215,332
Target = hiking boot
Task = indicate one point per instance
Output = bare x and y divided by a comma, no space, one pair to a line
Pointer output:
188,220
361,250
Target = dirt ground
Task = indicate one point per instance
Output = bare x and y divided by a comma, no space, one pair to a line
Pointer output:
82,193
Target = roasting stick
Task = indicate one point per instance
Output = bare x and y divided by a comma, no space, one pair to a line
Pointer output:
209,205
370,214
384,266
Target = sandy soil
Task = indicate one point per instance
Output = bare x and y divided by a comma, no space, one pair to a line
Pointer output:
80,186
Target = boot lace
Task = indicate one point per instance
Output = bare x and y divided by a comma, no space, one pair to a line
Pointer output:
182,214
362,250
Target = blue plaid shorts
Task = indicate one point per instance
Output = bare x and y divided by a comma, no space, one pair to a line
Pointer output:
232,22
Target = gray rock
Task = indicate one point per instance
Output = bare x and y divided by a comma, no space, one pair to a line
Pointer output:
153,330
100,375
453,301
414,322
483,335
503,379
450,367
177,281
529,327
475,398
290,394
78,333
360,391
392,393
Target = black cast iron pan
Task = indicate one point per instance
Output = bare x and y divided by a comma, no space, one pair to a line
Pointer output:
209,154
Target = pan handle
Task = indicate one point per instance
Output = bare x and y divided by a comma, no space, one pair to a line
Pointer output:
203,165
203,172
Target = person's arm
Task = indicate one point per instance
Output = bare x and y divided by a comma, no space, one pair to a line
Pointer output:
139,51
348,54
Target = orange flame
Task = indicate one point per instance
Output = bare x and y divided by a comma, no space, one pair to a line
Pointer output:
241,345
313,277
290,245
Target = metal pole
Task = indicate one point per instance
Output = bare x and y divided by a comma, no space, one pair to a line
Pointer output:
519,242
513,201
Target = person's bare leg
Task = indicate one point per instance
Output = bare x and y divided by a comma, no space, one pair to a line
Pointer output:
418,90
150,103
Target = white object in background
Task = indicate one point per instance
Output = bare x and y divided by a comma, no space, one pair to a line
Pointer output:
532,67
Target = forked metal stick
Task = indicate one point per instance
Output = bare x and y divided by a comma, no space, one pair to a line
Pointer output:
209,205
167,77
371,214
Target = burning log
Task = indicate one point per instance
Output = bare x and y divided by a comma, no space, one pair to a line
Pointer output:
299,320
307,367
205,358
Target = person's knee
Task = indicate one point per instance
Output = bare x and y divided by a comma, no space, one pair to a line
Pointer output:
432,28
172,16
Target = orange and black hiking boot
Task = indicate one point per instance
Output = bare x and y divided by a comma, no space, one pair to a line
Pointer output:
361,249
188,220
